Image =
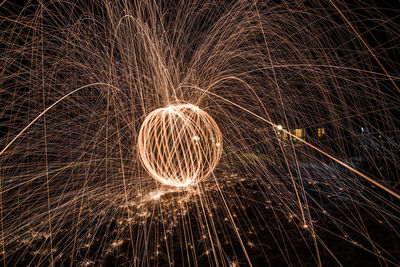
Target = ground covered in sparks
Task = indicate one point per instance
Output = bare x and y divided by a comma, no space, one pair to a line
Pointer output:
175,227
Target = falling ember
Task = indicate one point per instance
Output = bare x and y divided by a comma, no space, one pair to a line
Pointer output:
179,145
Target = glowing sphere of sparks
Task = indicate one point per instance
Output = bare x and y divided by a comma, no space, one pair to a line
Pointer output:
179,145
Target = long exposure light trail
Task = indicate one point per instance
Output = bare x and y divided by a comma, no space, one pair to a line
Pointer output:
199,133
179,144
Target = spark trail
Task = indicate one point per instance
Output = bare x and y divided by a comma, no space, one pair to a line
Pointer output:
218,133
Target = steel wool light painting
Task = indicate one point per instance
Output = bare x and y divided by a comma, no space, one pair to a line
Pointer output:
179,145
199,133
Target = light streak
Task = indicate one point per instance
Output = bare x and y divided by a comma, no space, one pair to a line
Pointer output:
178,144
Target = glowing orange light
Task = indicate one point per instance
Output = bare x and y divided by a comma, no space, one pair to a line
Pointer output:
179,145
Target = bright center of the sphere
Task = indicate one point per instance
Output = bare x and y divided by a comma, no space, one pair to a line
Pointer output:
179,145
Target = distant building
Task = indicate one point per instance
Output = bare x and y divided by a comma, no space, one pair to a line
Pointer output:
302,133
